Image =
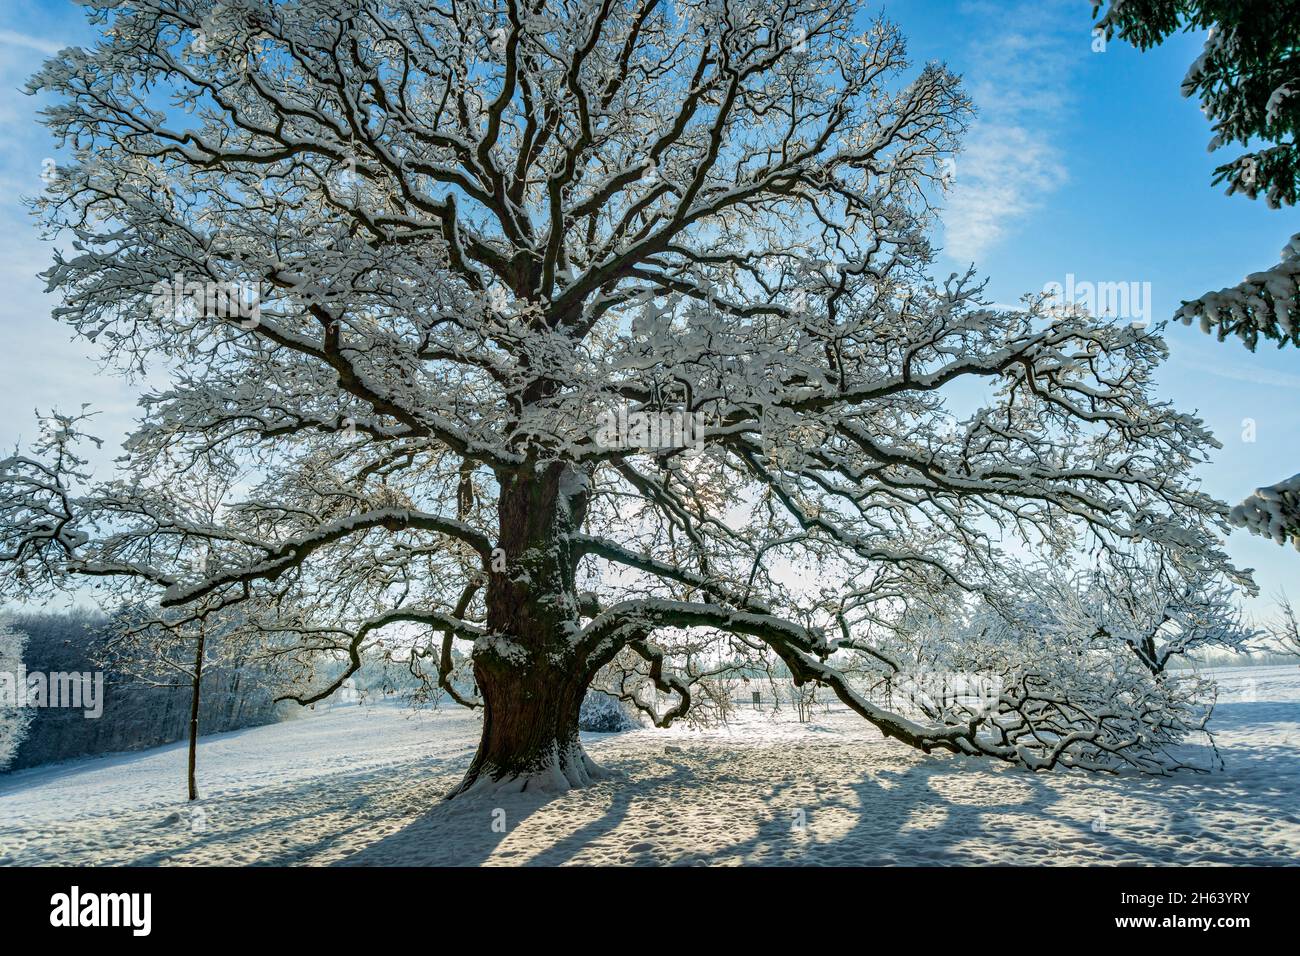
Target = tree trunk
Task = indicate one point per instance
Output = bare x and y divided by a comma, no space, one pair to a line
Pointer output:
191,775
528,673
530,734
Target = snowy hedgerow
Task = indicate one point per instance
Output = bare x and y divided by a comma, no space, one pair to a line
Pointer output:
603,714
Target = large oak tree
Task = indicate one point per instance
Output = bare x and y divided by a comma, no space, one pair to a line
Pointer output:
476,232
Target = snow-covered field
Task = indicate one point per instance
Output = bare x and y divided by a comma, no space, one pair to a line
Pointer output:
357,785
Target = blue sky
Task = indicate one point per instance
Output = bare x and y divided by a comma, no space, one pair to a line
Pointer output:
1080,162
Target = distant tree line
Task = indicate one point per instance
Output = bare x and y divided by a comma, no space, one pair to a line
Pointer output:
141,709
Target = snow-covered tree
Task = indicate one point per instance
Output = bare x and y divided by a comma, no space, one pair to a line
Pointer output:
1248,81
1148,603
15,716
1263,304
1247,78
1010,662
1286,630
1272,512
559,331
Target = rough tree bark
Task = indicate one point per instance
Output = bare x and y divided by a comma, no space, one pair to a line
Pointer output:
530,674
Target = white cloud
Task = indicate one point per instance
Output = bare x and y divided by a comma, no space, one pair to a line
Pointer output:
14,38
1005,172
1020,64
1254,374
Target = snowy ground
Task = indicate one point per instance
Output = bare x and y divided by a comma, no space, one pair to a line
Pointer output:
363,786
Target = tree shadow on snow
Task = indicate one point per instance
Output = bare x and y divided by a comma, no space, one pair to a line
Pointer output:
939,810
473,829
714,806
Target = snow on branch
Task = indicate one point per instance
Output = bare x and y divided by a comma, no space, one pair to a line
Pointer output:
535,333
1264,304
1272,512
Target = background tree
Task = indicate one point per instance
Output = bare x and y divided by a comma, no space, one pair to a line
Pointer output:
966,658
1248,81
476,232
1161,611
1286,629
144,703
15,717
